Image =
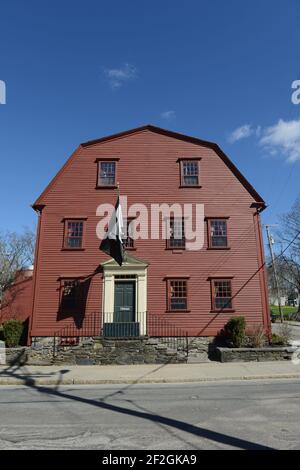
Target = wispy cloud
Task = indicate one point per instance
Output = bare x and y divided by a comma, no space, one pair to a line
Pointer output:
168,115
243,132
118,77
284,138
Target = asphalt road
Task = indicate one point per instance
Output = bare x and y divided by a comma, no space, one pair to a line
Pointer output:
239,415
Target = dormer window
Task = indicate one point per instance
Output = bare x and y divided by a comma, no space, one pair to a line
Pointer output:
189,172
107,170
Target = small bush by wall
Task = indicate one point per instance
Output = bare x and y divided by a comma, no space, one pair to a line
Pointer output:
12,332
235,331
278,340
285,332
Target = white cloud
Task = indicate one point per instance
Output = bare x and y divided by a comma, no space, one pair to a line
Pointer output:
241,133
283,137
117,77
168,115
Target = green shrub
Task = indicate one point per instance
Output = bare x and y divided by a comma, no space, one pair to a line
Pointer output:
278,340
235,331
12,332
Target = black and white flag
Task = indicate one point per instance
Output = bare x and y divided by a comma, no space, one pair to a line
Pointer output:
112,244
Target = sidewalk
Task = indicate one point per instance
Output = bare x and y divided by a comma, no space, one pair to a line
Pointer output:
293,323
137,374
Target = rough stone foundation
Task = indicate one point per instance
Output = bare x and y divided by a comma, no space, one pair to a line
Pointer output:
97,351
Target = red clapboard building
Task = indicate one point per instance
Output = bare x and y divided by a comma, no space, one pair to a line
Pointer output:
78,288
16,302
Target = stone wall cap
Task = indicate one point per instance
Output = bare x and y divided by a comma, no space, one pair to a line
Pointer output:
270,349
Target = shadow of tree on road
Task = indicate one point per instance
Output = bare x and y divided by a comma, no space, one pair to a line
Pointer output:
28,380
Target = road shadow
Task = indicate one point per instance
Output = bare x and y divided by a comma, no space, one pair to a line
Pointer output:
214,436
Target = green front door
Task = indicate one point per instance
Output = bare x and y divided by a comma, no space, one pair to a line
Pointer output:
124,302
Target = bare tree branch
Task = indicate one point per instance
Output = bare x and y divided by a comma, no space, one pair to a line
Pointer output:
16,253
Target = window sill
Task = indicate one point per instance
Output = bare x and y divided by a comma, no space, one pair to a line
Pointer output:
225,310
177,311
190,186
176,250
218,248
109,186
129,249
72,249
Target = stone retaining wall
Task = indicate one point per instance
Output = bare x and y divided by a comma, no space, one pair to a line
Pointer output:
92,351
255,354
97,351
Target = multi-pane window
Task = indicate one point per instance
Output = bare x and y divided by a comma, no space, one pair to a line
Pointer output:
222,294
177,295
218,233
128,242
70,294
190,173
177,236
106,173
73,234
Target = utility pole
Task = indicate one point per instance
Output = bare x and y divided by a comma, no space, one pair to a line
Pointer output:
270,240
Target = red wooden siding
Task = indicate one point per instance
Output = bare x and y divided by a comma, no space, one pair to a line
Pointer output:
17,300
148,172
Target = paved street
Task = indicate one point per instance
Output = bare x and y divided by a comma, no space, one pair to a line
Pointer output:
238,415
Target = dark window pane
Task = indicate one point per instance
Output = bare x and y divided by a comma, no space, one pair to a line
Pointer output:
190,180
70,294
178,304
218,241
223,303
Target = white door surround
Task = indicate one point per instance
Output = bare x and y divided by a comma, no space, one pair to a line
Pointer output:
131,267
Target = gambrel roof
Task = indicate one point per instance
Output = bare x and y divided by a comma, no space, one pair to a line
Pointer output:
257,198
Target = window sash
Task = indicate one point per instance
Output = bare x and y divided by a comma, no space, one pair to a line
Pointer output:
218,236
177,233
189,173
106,173
73,234
222,294
177,295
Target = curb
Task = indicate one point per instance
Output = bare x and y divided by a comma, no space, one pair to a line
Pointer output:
78,381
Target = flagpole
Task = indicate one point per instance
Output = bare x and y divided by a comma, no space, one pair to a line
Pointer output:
122,244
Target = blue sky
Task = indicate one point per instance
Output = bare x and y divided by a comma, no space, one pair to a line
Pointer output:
78,70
